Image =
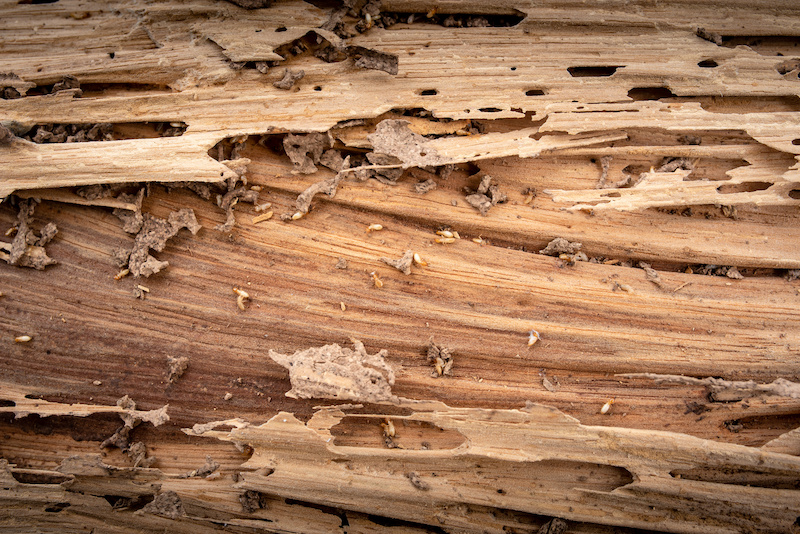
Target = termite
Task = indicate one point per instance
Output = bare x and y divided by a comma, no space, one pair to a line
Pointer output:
376,279
22,339
122,274
241,297
606,406
419,261
533,337
388,428
445,240
445,233
374,228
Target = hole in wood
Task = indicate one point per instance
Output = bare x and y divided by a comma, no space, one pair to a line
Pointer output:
281,29
81,133
57,507
794,193
775,479
31,476
415,435
454,20
490,110
429,92
708,64
530,479
745,187
317,88
592,72
5,403
796,141
650,93
37,1
534,92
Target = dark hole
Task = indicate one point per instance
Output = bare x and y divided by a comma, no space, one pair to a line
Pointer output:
587,72
37,1
57,507
112,55
281,29
746,187
501,491
6,403
613,195
490,110
258,31
318,88
429,92
708,64
650,93
513,68
119,502
33,477
796,141
534,92
794,193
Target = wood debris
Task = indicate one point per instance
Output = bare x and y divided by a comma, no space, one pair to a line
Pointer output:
403,264
440,358
724,390
486,196
559,246
176,367
333,372
153,236
27,249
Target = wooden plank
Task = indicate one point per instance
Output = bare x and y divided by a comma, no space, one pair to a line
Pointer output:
551,418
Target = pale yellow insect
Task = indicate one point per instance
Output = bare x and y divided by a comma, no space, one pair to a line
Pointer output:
22,339
606,406
241,296
533,337
376,279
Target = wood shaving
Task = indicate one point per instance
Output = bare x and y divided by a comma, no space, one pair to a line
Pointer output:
229,200
367,58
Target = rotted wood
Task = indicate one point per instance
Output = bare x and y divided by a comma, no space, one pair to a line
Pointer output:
638,374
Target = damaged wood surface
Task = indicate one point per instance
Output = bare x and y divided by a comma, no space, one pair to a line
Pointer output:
565,236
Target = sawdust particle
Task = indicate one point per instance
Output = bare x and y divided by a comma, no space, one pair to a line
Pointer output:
176,367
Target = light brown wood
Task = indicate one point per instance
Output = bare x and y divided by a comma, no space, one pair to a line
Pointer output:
652,387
